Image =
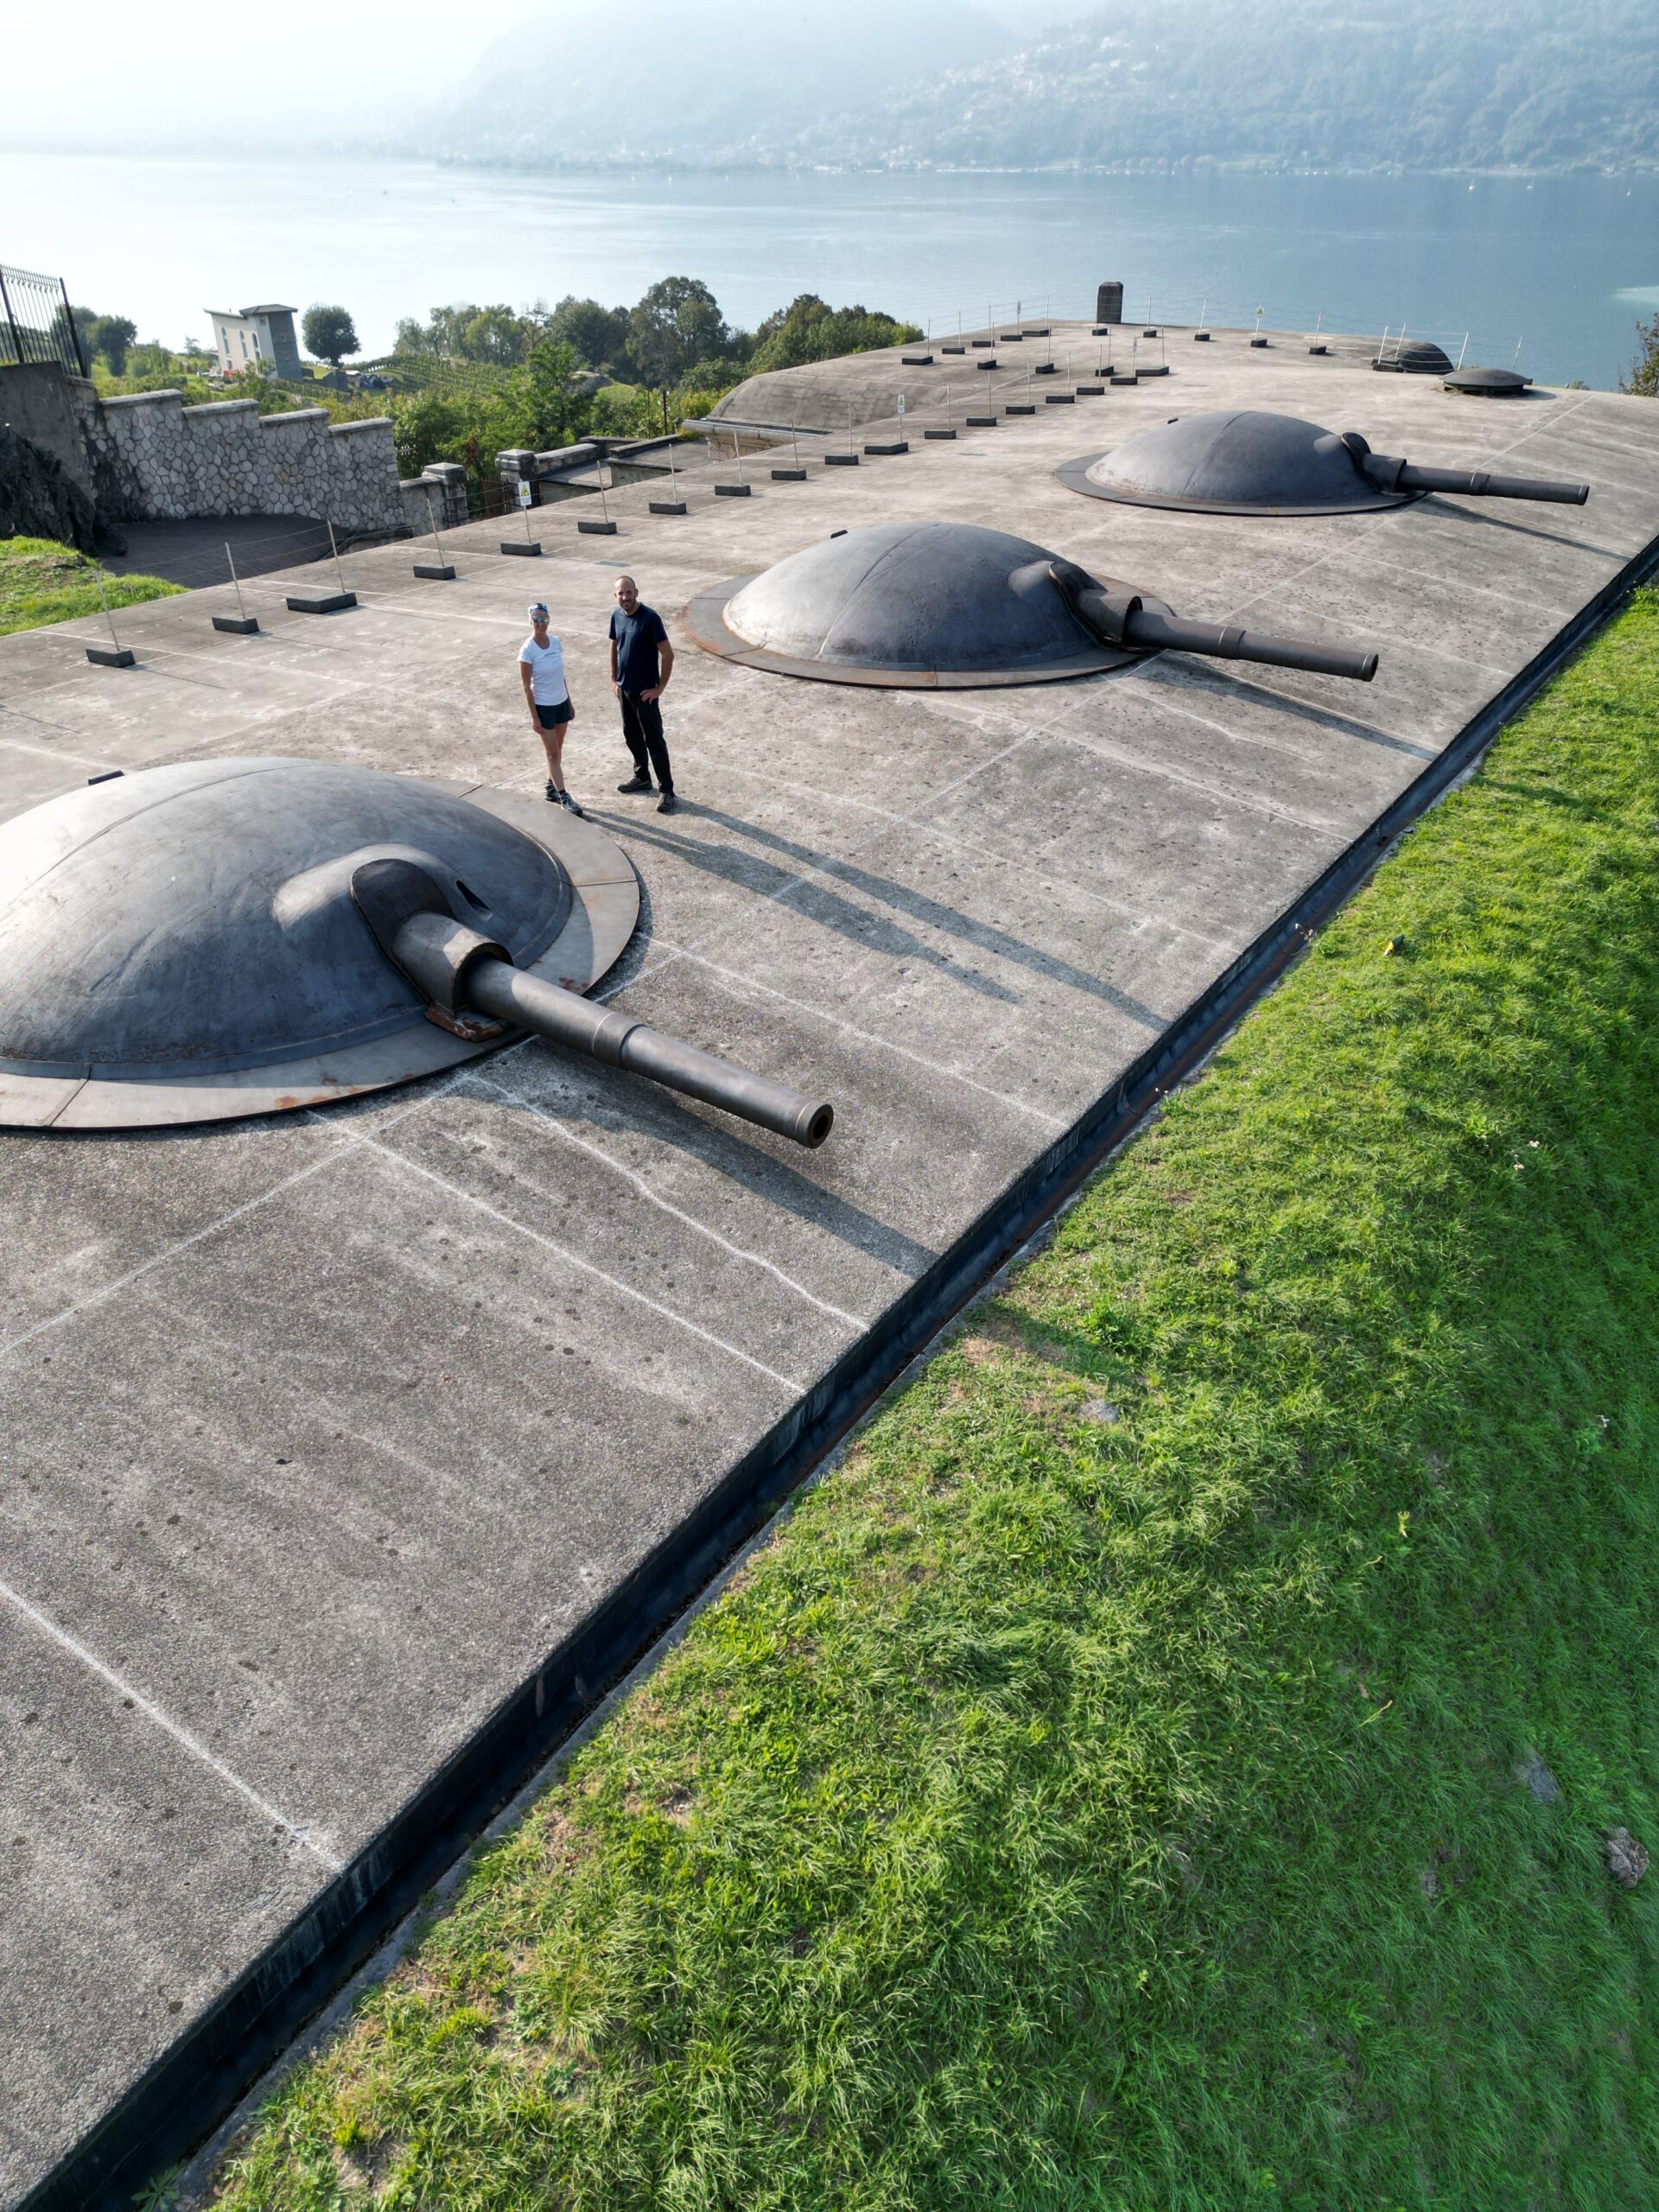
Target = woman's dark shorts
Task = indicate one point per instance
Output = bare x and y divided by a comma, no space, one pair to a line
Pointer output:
553,717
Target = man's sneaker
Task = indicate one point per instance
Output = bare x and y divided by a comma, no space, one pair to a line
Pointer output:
667,804
570,806
637,783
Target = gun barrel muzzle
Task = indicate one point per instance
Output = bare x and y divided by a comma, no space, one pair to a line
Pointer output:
510,994
1476,484
1221,641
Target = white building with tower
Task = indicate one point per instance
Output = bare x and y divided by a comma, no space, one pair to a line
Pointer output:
253,336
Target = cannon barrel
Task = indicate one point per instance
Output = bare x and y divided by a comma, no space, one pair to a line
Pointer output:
508,994
459,972
1220,641
1390,474
1123,619
1476,484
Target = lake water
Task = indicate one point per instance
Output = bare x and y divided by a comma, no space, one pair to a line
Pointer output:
1561,266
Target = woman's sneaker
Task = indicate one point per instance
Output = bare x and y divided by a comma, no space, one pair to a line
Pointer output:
570,806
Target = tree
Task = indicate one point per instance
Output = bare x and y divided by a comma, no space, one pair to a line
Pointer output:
1644,379
83,319
447,329
557,411
495,335
329,332
808,329
676,323
597,335
111,336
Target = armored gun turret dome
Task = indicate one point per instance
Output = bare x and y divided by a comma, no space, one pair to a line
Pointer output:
909,605
1487,383
1244,462
1233,462
181,944
938,605
1414,357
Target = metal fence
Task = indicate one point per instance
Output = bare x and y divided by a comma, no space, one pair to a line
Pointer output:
35,323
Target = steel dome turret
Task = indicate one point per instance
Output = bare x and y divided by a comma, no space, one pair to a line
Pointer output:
951,604
1414,357
908,605
1475,383
224,938
1246,461
182,943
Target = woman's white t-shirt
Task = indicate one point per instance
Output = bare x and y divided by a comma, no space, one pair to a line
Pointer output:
546,666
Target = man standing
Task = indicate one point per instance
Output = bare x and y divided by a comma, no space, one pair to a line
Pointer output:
540,669
642,660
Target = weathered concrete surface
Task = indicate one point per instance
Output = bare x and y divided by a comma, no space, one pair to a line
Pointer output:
323,1432
193,553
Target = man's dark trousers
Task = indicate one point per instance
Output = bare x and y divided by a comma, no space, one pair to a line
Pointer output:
642,726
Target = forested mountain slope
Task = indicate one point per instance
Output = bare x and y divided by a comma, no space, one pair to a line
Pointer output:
1414,84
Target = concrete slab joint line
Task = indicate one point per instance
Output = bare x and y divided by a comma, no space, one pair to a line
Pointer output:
181,1736
575,1260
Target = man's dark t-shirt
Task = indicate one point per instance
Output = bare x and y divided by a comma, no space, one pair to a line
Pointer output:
636,636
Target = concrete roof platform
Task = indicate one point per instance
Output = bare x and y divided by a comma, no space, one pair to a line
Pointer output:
345,1453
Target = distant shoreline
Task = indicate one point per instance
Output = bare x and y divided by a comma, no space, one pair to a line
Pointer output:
662,165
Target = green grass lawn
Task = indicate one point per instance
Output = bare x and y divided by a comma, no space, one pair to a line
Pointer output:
1104,1790
42,581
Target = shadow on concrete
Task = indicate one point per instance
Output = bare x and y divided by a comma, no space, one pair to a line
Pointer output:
838,914
661,1114
193,553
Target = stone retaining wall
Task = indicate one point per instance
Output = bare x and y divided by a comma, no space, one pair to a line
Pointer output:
169,461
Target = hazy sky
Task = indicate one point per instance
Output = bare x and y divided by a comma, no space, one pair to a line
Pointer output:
252,80
232,77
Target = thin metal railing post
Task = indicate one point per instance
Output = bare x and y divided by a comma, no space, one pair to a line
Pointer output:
74,335
334,549
230,558
432,524
17,340
97,578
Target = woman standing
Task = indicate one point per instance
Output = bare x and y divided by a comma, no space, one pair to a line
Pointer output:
540,669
